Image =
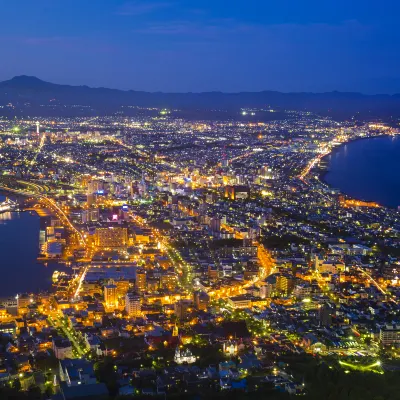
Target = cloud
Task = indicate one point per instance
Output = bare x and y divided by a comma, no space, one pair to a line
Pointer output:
141,7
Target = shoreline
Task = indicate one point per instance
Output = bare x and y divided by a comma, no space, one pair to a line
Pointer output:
322,174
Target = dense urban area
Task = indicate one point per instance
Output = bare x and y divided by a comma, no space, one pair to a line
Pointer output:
199,258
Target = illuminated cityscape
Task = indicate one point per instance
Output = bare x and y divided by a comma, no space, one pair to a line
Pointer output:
199,200
199,256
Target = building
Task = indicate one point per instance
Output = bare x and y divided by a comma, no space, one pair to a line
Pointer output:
76,372
201,300
53,248
91,215
302,291
325,315
8,328
237,192
141,280
285,284
62,348
110,295
184,356
215,224
133,305
181,309
23,302
328,266
168,280
389,335
242,301
111,237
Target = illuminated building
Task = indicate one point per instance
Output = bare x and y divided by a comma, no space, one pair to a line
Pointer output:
91,215
239,301
266,172
8,328
329,266
230,347
168,280
201,300
62,348
181,309
23,302
184,356
237,192
111,237
132,305
285,284
389,335
302,291
266,290
141,280
110,295
96,186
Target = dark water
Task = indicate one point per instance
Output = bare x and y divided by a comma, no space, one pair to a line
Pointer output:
19,247
368,169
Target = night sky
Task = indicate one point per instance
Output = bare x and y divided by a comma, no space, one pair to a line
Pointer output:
187,45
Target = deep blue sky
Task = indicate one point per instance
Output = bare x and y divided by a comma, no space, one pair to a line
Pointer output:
188,45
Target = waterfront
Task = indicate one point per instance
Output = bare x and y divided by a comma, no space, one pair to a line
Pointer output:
19,246
367,169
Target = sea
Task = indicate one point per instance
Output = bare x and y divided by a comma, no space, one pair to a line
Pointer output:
20,272
367,169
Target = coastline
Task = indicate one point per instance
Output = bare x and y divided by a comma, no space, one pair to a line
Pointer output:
322,173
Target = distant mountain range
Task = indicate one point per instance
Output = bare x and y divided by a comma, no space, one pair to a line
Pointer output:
29,95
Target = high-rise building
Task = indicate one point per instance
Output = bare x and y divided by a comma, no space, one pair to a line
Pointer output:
132,304
168,280
110,295
215,224
201,300
237,192
389,335
325,315
181,308
285,284
141,280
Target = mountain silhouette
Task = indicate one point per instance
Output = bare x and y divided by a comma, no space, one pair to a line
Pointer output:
33,96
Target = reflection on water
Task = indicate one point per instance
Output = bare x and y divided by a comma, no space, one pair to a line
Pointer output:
6,216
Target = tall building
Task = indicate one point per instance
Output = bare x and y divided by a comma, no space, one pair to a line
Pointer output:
201,300
132,304
181,309
141,280
168,280
111,237
237,192
215,224
110,295
325,315
285,284
23,302
91,215
389,335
